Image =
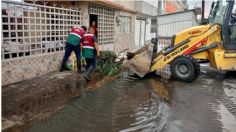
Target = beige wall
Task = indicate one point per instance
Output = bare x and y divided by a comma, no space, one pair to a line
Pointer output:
124,40
127,3
84,8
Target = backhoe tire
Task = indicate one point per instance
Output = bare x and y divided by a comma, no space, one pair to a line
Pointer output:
185,68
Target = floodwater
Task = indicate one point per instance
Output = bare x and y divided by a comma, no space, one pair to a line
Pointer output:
132,105
125,104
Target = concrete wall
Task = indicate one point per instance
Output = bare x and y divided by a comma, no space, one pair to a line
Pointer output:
19,69
141,6
127,3
182,5
84,8
124,40
145,8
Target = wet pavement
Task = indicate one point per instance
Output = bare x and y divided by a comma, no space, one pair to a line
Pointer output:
127,104
206,105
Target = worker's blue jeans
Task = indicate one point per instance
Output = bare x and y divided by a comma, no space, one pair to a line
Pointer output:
69,49
94,62
90,63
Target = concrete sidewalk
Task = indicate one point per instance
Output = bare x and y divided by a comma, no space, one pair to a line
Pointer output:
39,97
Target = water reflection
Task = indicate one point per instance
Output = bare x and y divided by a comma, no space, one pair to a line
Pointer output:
123,105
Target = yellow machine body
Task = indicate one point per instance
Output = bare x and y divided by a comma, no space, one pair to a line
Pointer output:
207,37
221,60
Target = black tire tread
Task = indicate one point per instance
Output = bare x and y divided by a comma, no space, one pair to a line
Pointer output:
195,65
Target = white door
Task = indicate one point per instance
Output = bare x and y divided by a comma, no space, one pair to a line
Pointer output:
142,33
139,33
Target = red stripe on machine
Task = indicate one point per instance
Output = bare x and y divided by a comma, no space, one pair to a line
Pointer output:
196,46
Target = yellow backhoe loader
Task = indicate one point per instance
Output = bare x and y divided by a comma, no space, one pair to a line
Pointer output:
215,42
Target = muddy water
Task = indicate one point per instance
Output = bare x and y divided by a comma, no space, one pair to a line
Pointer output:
122,105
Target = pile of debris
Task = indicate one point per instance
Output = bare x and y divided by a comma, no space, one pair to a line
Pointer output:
139,62
107,63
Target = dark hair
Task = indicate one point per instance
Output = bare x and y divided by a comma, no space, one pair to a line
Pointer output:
84,27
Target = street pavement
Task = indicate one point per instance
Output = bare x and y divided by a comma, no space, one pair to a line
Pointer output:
206,105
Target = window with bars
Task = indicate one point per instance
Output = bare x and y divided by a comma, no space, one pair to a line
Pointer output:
125,24
30,29
105,23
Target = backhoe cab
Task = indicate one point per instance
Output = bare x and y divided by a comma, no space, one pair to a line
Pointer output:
223,13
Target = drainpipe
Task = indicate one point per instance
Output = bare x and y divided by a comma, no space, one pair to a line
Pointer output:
140,29
156,42
159,7
203,10
145,29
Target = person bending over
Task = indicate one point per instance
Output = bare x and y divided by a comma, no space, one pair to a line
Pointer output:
73,44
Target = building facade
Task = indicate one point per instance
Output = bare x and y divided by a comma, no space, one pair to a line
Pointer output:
34,33
169,25
171,6
144,20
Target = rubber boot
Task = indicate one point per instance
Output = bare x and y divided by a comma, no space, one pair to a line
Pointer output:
62,67
87,74
79,68
90,70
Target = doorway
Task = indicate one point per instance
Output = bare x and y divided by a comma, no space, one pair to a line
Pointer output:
94,18
140,32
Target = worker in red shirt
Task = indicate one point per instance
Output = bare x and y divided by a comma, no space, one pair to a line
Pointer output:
73,44
90,50
93,25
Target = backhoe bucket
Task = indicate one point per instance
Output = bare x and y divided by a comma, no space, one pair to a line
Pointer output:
140,61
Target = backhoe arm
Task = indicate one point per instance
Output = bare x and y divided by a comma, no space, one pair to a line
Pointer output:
186,47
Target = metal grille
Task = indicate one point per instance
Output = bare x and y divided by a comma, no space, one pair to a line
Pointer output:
29,29
105,23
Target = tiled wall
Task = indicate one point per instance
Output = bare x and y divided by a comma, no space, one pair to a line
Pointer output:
16,70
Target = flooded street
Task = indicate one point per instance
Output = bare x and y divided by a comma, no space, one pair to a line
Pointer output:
118,66
149,105
122,105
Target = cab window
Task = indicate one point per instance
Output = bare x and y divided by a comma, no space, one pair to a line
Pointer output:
232,25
